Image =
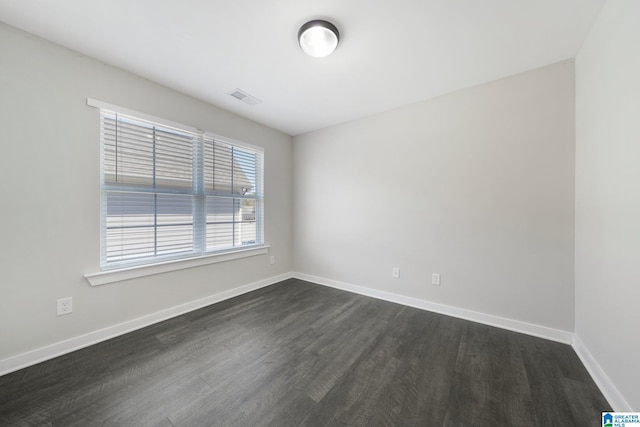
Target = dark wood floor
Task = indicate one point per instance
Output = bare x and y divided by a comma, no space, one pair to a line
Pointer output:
299,354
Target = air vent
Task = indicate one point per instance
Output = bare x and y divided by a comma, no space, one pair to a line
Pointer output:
244,97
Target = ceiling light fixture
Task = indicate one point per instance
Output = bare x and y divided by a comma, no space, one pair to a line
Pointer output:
318,38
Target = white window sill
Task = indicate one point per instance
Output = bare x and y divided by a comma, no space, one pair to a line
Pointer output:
104,277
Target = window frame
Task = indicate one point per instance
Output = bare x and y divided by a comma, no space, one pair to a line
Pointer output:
198,254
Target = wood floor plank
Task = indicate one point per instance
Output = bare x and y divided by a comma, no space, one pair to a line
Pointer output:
546,364
299,354
429,364
490,383
353,398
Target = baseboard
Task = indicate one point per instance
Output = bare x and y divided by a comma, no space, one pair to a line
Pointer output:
557,335
602,380
23,360
42,354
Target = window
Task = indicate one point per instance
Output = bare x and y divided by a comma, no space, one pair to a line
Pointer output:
171,192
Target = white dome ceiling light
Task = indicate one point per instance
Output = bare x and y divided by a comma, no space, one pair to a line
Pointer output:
318,38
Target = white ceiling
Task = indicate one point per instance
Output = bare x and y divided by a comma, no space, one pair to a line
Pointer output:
391,53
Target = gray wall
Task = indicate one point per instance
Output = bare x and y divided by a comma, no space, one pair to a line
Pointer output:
49,187
477,185
608,197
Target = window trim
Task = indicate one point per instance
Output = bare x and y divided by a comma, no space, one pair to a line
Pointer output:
124,272
159,120
118,275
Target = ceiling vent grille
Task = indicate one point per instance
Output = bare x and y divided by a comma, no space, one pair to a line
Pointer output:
244,97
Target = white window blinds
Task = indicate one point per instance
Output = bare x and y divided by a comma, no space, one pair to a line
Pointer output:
172,193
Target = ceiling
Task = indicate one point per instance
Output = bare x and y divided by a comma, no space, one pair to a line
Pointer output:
391,53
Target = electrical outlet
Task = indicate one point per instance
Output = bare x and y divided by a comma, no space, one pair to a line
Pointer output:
435,279
65,306
272,260
395,272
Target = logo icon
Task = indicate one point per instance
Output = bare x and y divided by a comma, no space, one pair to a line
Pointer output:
607,420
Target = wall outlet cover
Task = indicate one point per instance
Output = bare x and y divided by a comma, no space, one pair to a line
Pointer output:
435,279
64,306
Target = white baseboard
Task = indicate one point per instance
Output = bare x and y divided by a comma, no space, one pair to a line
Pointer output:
558,335
602,380
29,358
604,383
612,394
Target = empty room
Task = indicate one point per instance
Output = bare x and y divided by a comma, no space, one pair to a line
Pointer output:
339,213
